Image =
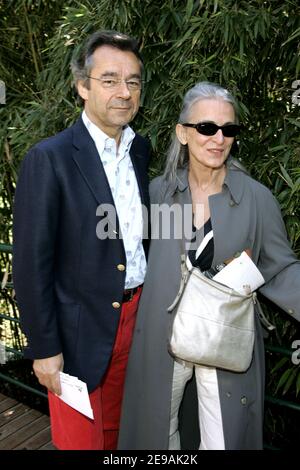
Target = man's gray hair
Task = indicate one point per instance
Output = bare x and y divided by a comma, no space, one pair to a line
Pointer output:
82,65
177,155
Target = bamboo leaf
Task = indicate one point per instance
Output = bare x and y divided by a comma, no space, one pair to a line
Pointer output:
292,37
283,379
226,29
5,277
277,148
189,9
279,364
295,122
289,381
298,384
286,177
256,26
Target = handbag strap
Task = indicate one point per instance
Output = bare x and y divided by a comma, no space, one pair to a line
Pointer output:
185,274
187,267
263,319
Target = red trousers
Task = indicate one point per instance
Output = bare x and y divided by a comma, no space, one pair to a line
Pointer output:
72,430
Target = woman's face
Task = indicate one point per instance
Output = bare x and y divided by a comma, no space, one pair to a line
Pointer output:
207,151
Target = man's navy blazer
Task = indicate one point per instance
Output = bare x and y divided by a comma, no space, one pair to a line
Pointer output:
66,278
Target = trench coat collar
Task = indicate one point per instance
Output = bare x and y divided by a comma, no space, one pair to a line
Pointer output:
232,180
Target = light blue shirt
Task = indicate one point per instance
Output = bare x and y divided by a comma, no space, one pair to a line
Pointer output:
124,188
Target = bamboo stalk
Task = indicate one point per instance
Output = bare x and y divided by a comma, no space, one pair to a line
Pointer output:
30,34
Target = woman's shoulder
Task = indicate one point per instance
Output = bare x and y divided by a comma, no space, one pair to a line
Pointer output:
261,192
158,189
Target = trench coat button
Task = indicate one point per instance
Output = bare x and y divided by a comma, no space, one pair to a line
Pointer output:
291,311
121,267
232,203
116,304
244,400
228,394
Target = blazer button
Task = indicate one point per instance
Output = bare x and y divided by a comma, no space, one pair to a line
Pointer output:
116,305
244,401
291,311
121,267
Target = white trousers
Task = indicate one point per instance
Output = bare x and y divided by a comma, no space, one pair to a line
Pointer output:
210,418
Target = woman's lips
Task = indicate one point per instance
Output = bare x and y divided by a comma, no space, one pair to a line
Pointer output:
216,151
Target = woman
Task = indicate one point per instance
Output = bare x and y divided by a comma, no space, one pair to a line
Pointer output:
242,214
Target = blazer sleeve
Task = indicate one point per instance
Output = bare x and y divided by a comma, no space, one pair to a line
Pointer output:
36,210
277,261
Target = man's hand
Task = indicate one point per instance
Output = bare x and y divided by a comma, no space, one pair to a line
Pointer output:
47,372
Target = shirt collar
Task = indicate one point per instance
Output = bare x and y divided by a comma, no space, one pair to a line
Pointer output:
232,181
103,140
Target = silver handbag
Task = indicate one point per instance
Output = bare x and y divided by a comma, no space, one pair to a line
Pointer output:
213,324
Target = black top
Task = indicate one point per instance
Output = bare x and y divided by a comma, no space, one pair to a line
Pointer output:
205,258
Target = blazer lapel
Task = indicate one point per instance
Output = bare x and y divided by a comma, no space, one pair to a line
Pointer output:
86,157
139,160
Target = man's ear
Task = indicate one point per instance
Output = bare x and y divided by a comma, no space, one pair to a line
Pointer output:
181,134
82,89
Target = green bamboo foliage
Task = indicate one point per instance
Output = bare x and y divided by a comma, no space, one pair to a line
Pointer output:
251,47
25,26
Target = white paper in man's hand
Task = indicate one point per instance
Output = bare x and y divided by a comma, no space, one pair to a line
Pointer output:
75,394
241,274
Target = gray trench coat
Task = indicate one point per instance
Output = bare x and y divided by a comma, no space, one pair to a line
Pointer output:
245,214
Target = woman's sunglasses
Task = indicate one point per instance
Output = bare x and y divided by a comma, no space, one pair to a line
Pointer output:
210,128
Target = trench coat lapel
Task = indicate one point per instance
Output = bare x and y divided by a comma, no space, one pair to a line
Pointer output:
220,204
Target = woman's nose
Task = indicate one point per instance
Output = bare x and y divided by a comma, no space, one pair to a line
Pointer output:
219,137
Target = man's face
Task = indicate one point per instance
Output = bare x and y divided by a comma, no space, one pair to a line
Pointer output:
111,108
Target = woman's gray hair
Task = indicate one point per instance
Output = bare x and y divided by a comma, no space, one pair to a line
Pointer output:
177,155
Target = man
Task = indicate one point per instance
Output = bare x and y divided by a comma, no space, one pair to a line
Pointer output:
78,287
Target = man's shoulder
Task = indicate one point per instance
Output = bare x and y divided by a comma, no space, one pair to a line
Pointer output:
142,142
58,141
141,138
140,147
